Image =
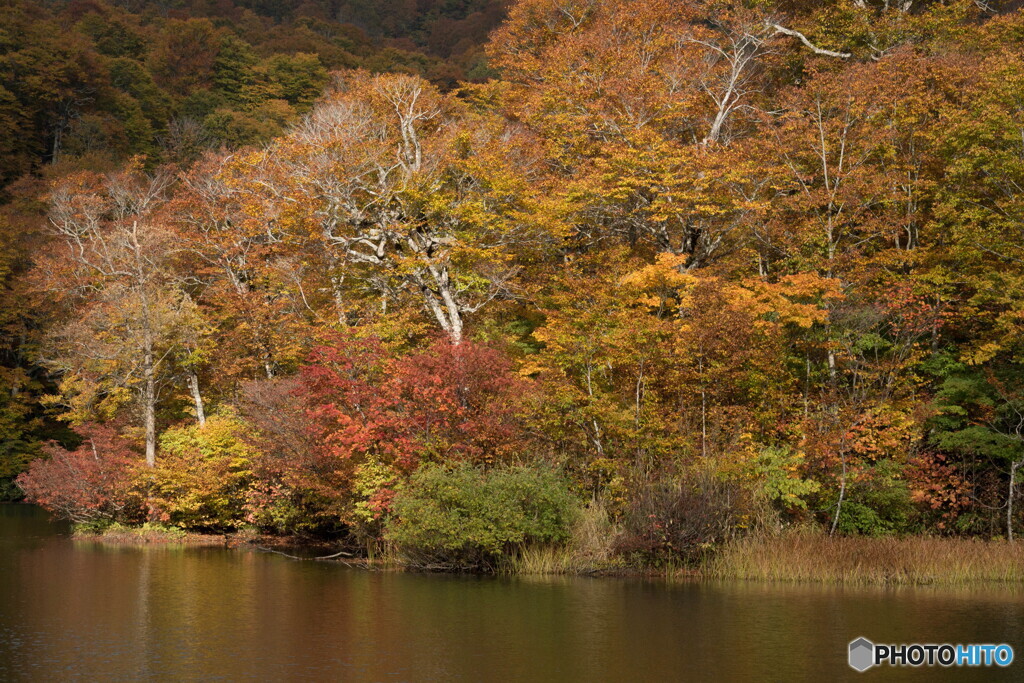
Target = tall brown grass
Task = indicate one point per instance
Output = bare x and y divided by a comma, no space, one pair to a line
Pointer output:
812,556
588,551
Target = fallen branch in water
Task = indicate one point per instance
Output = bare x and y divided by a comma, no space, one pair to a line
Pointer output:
297,557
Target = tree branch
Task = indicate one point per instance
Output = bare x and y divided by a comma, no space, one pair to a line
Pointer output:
814,48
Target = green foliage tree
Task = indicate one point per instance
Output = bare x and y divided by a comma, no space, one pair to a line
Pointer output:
298,79
234,69
980,417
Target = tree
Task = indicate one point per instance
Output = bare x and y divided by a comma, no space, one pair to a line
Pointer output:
184,58
980,414
299,79
397,180
47,79
112,272
94,482
231,254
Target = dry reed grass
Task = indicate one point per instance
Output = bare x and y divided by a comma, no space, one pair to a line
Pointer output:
588,551
811,556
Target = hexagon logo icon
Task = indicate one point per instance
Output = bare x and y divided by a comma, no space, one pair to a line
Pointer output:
862,654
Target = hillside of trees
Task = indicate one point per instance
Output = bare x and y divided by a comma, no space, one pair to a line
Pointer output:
698,269
169,79
89,85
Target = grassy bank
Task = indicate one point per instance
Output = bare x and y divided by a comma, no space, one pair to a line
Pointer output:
812,556
588,551
804,555
147,534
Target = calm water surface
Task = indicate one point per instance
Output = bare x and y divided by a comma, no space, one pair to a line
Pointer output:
71,610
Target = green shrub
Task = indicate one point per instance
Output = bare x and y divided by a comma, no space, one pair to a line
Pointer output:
879,505
115,532
470,517
777,470
93,527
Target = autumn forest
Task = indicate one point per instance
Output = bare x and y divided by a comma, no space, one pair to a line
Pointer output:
450,280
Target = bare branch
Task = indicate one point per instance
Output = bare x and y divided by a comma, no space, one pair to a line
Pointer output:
814,48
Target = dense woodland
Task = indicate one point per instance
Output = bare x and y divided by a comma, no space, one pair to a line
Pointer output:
681,270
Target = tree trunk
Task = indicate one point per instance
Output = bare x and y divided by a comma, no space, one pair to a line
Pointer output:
449,316
703,410
716,126
339,300
1009,498
149,404
842,494
597,428
197,397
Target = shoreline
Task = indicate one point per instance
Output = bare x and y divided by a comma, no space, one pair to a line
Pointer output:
789,558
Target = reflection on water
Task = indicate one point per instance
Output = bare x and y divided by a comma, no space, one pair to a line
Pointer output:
80,610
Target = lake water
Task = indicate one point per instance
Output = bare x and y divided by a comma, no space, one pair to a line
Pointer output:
72,610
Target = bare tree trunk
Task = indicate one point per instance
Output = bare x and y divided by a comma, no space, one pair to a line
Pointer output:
456,331
703,411
716,126
842,494
197,397
842,488
58,137
339,300
1009,498
451,310
336,275
149,403
597,428
807,385
442,318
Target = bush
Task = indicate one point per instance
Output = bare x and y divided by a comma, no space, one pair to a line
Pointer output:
299,484
777,470
879,504
669,520
469,517
94,482
203,474
359,416
116,532
9,490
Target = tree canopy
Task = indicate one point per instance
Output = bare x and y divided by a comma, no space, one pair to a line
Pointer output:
741,259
